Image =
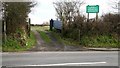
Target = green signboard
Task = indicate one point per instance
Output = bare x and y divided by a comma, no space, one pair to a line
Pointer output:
92,9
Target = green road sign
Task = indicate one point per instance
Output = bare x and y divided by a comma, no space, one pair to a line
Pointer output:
92,9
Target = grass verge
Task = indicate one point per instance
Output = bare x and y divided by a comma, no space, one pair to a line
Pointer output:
44,36
12,45
41,30
102,41
0,48
70,42
66,41
57,36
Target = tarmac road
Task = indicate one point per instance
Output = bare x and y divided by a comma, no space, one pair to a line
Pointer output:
78,58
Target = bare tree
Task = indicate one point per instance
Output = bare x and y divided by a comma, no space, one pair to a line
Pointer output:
67,11
119,7
115,5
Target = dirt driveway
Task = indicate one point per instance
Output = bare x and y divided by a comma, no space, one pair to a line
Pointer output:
53,45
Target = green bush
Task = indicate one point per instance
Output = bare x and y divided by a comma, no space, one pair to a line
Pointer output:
10,45
13,44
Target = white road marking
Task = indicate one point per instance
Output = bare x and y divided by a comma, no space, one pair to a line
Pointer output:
63,64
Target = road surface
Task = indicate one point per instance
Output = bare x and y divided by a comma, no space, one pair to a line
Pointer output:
83,58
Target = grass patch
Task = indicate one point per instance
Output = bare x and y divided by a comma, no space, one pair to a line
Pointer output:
100,41
66,41
12,45
44,36
0,48
31,41
57,36
97,42
40,28
0,42
70,42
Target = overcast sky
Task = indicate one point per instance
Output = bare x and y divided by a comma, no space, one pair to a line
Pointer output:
44,10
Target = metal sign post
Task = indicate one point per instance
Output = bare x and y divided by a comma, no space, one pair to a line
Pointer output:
96,16
88,18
